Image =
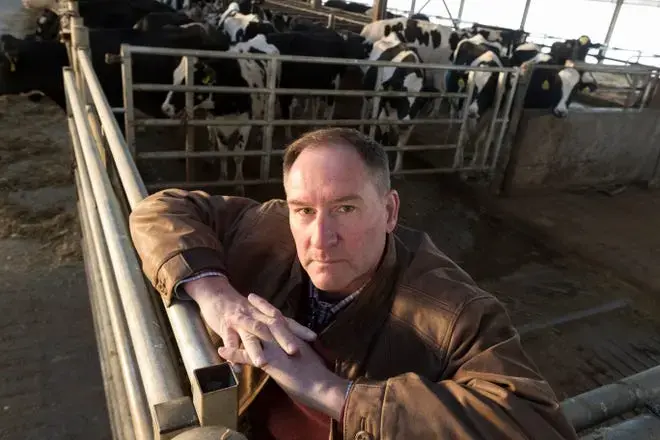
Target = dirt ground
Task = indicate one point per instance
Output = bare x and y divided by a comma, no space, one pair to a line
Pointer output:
50,381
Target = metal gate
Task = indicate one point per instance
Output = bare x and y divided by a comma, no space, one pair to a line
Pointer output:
454,149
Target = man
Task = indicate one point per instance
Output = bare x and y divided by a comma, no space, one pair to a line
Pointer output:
408,346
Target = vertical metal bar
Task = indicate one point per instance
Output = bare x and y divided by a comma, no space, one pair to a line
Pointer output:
190,114
459,17
127,87
458,156
273,70
652,78
412,8
375,105
523,20
610,31
501,80
506,118
331,21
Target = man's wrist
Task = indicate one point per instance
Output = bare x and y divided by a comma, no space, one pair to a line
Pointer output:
206,288
335,396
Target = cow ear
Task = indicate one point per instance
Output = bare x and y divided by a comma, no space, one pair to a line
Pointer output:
584,40
9,45
209,75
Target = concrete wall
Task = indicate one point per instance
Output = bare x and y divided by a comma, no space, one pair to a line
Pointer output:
589,147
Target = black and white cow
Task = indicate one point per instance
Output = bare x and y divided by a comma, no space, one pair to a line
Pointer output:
250,73
28,64
241,27
398,79
156,21
474,52
227,106
548,88
575,50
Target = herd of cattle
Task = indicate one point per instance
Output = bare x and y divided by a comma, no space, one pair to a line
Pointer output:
35,63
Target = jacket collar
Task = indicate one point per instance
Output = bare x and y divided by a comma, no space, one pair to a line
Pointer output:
350,336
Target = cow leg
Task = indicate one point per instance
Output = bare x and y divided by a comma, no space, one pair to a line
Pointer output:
366,106
215,139
404,136
240,146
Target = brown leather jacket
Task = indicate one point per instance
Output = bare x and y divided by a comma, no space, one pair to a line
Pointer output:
433,356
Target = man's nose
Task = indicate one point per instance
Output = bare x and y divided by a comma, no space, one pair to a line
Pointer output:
323,235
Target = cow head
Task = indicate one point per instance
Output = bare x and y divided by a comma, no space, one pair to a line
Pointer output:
204,74
10,61
552,89
575,50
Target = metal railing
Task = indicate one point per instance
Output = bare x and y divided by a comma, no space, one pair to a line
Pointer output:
146,395
483,160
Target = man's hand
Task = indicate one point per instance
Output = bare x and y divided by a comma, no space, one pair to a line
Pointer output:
303,376
236,320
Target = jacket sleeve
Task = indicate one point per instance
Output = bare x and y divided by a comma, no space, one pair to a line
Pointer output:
490,389
180,233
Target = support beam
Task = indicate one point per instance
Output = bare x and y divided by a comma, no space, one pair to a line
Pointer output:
523,21
379,9
610,31
412,8
459,17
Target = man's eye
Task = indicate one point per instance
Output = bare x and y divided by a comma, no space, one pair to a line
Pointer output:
346,209
305,211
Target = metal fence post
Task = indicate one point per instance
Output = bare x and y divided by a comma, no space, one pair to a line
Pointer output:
127,87
460,144
331,21
375,104
190,114
501,83
273,74
507,154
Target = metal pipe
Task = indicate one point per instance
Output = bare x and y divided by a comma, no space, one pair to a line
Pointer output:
501,80
190,114
144,87
610,29
149,50
458,157
523,20
246,182
136,403
160,155
120,419
459,17
156,368
134,187
645,426
273,69
280,122
601,404
505,119
189,330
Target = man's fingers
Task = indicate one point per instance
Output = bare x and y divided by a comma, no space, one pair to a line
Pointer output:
235,356
300,330
230,339
263,306
252,325
252,347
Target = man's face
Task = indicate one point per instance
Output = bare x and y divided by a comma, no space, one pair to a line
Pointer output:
338,216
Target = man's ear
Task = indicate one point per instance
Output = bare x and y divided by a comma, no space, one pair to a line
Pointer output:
392,206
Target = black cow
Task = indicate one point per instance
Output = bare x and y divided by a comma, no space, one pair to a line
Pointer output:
31,65
156,21
107,14
575,50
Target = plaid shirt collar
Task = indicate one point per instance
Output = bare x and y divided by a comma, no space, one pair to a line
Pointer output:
322,313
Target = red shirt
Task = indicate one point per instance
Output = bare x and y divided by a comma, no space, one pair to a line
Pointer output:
275,416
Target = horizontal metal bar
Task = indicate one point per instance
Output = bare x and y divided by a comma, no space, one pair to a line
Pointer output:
587,67
144,87
320,12
118,110
601,404
224,183
259,153
219,121
642,427
149,50
158,374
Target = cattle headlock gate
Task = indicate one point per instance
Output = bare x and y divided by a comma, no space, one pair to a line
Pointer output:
161,374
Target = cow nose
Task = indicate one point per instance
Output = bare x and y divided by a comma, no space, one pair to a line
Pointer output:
559,113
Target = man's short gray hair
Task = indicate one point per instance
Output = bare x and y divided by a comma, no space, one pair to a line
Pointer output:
372,153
